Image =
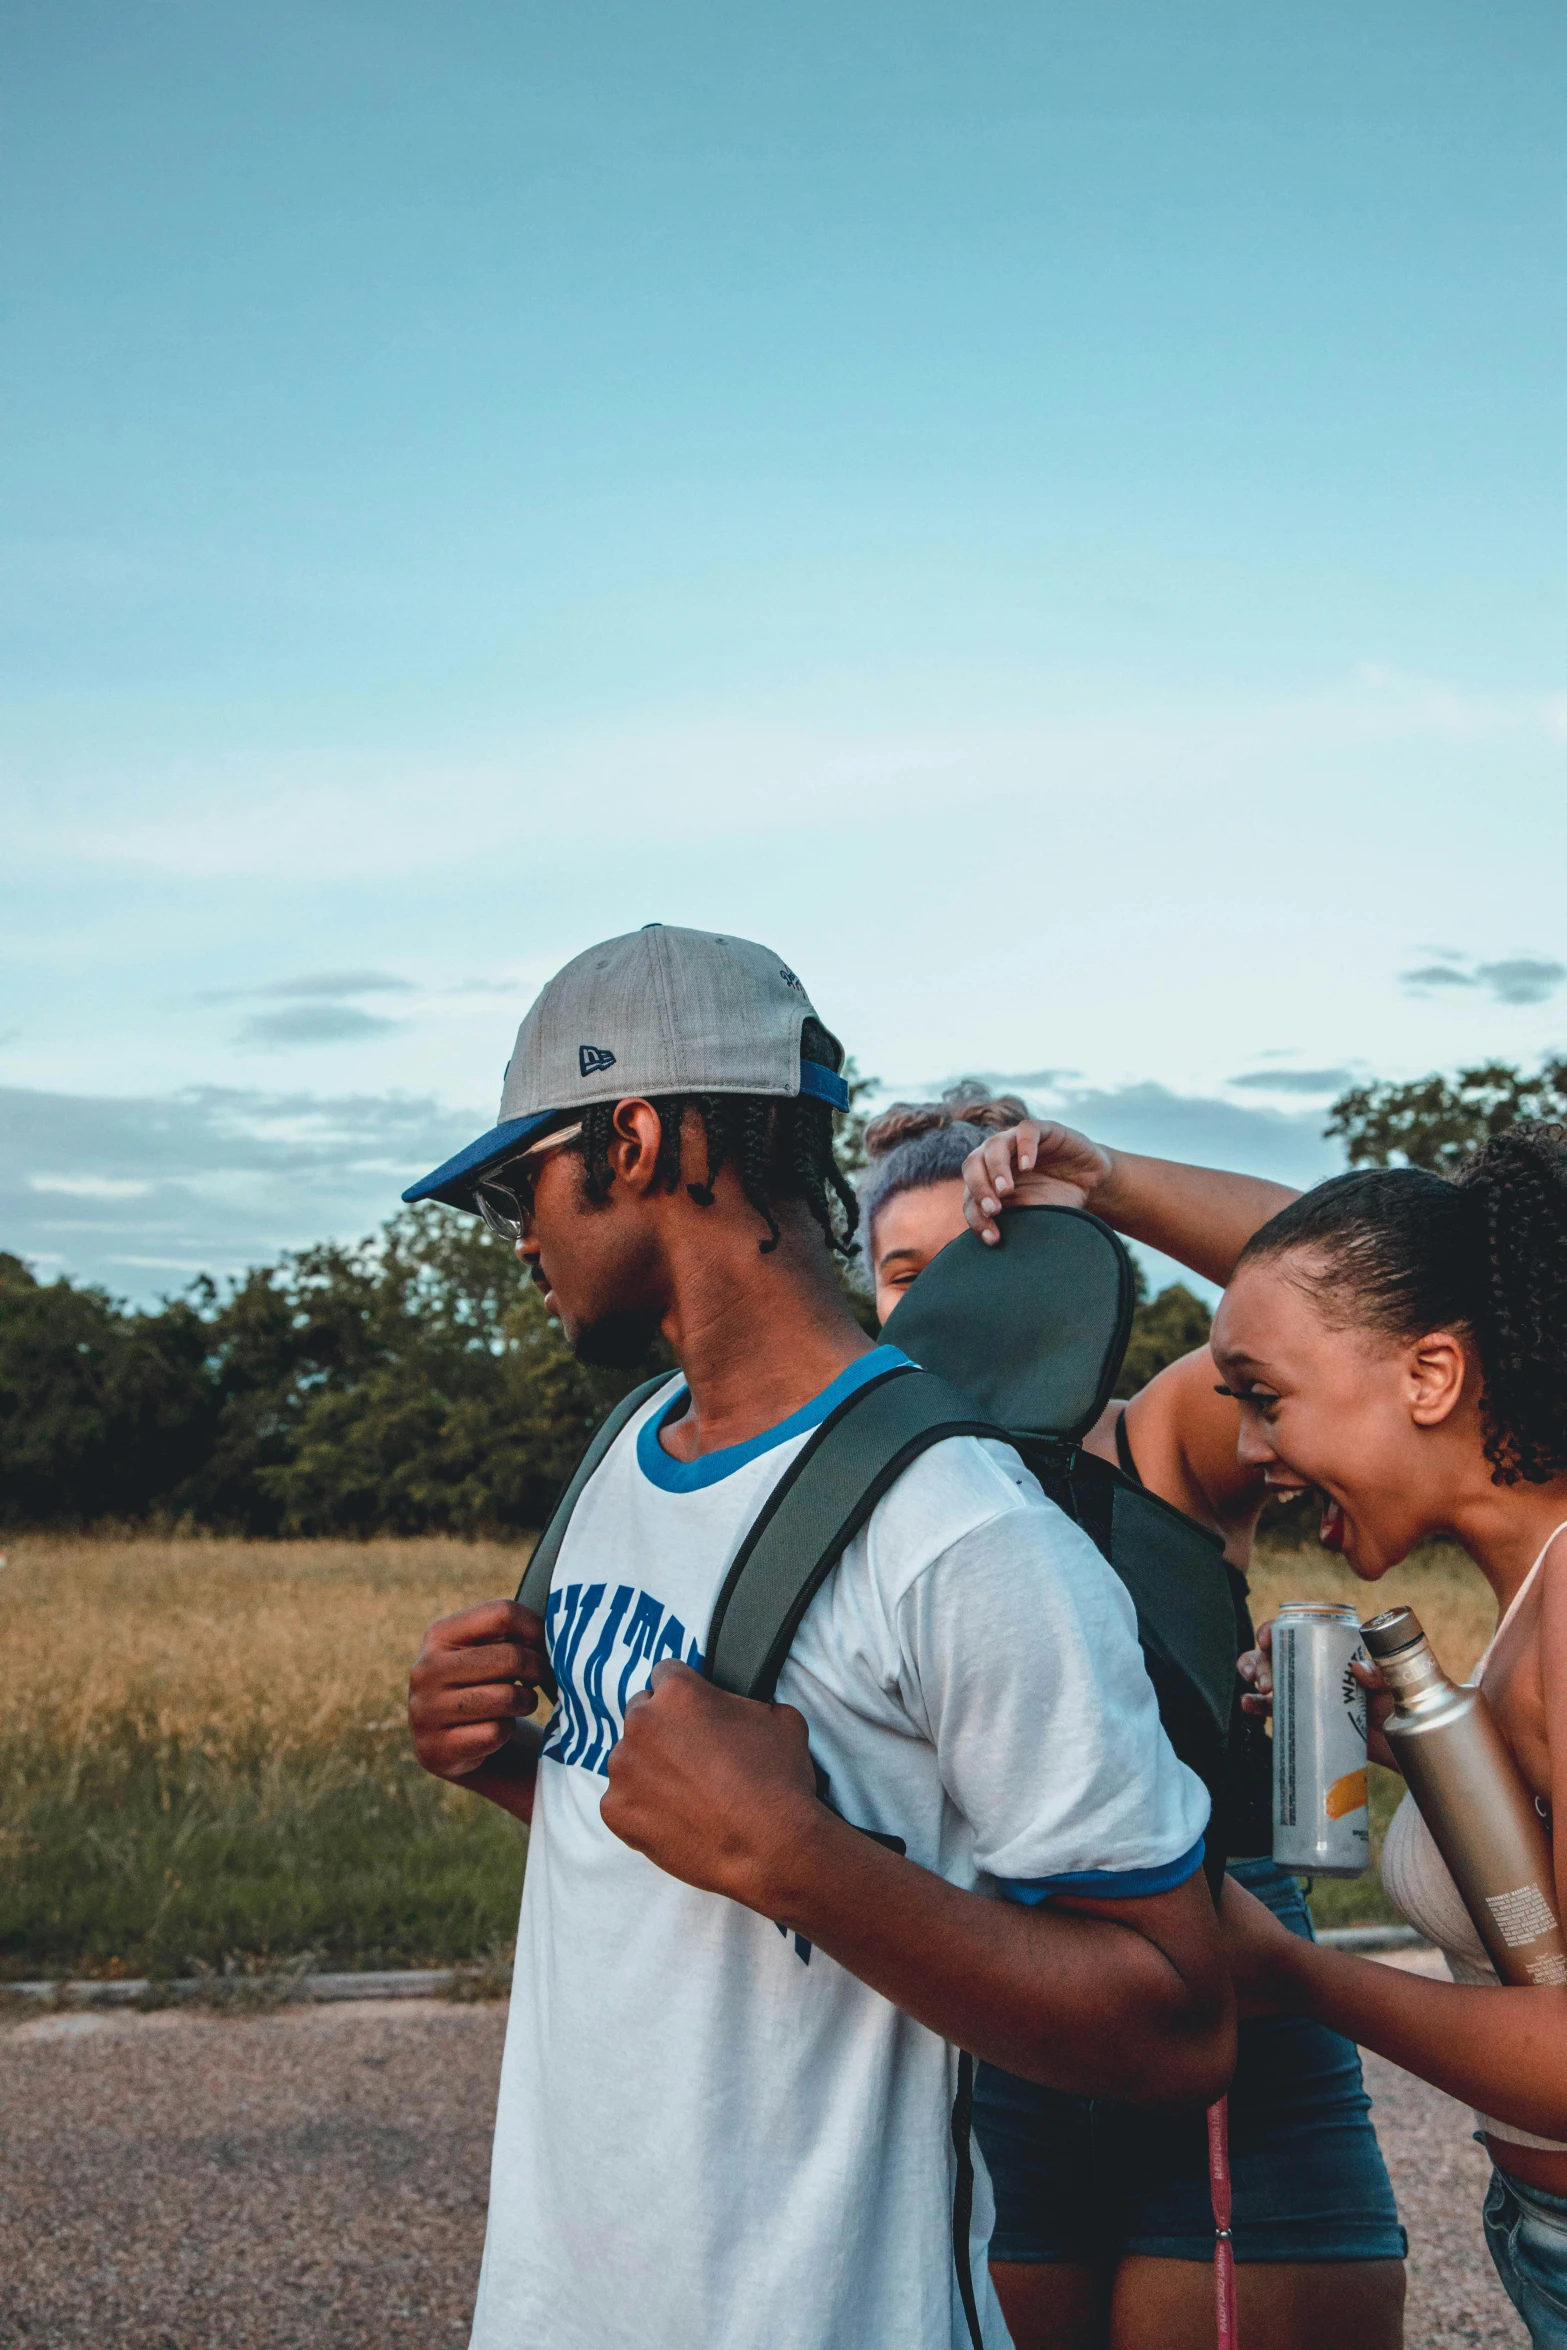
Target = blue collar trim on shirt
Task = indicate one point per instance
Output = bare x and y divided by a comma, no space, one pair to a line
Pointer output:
709,1467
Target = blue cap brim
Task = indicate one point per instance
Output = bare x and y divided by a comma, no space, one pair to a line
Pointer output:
453,1183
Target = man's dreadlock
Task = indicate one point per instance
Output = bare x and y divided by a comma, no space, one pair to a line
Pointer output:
780,1147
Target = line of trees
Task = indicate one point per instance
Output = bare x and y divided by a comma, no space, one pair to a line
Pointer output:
1437,1121
409,1383
413,1383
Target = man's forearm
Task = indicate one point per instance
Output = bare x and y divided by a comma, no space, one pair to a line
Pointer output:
1083,2003
1201,1216
1504,2051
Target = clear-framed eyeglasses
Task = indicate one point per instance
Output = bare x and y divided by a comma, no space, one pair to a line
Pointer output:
504,1196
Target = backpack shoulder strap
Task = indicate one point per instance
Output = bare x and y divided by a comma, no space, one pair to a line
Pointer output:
815,1510
534,1589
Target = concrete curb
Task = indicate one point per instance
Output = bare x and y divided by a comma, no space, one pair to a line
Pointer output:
260,1990
423,1983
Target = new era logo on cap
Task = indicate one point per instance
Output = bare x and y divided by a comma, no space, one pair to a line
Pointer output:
691,1011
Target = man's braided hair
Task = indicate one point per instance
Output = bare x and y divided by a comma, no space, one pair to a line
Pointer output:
780,1148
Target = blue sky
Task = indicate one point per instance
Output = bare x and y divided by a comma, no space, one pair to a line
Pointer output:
1052,517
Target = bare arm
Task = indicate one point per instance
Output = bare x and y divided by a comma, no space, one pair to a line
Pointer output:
475,1673
1201,1216
1502,2050
1183,1437
1124,1998
1117,1998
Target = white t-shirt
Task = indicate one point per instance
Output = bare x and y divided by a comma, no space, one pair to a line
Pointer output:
711,2136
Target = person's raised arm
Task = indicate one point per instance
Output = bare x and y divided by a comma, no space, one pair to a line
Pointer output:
1109,1998
475,1674
1201,1216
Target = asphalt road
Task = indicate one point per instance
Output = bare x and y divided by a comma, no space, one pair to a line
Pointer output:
315,2179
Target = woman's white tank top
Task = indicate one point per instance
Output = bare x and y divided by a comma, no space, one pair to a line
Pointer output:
1419,1884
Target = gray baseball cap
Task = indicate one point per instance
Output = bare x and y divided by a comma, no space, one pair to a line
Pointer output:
661,1011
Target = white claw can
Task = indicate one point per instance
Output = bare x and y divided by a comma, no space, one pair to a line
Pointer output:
1320,1826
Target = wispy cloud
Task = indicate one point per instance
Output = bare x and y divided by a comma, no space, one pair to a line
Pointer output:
1037,1080
313,1024
1253,1137
336,984
317,1009
1516,979
1294,1080
324,986
1146,1116
1437,975
1527,979
92,1186
377,815
210,1179
140,1192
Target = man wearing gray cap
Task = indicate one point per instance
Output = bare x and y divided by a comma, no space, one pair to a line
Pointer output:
726,2113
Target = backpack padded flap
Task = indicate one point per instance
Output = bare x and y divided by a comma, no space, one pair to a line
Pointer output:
1032,1332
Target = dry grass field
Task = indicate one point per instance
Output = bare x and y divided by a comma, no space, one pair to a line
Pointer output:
227,1645
203,1761
1445,1589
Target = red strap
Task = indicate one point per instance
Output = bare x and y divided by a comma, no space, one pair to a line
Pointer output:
1223,2245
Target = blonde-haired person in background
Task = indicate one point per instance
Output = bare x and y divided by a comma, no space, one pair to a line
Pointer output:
1103,2228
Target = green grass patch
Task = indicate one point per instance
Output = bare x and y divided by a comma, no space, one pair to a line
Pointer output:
146,1856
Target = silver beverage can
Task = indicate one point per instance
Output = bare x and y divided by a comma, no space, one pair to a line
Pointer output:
1320,1827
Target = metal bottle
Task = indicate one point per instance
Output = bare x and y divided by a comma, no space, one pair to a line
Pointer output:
1320,1826
1483,1819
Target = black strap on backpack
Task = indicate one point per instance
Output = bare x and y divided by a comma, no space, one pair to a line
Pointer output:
823,1499
534,1589
809,1519
814,1512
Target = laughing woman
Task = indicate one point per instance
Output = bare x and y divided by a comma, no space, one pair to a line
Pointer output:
1399,1340
1103,2227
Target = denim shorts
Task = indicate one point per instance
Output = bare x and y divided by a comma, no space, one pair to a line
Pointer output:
1527,2232
1088,2180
